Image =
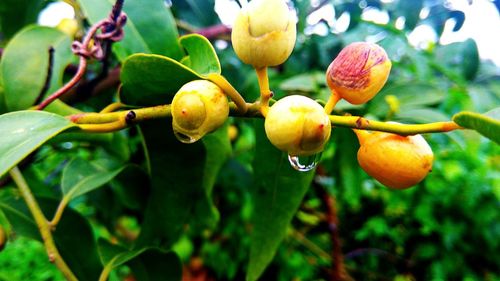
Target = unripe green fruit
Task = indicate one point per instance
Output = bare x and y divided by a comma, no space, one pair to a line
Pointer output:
359,72
298,125
396,161
198,108
264,33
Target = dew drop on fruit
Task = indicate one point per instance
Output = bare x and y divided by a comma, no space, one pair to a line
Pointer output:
184,138
304,163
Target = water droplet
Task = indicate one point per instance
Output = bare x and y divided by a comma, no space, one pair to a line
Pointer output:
168,3
184,138
304,163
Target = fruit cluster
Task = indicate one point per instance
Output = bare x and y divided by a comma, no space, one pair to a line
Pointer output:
264,35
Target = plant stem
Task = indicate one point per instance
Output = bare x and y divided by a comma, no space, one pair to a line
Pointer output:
265,92
338,267
114,121
112,107
59,212
332,101
229,90
42,223
78,76
311,246
361,123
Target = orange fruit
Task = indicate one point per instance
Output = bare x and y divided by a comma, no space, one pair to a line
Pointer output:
395,161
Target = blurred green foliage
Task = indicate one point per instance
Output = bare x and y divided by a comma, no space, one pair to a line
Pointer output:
446,228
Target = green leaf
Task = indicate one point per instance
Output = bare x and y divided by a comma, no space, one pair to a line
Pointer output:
411,11
305,83
198,13
25,62
15,14
487,124
155,265
218,151
409,96
73,236
461,58
348,174
421,115
146,263
202,56
150,80
181,179
278,192
150,27
24,131
131,186
80,177
3,107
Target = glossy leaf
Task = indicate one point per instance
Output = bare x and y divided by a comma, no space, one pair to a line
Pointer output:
277,193
81,176
73,236
145,263
150,27
487,124
22,132
181,180
25,62
198,13
152,80
202,57
218,150
15,14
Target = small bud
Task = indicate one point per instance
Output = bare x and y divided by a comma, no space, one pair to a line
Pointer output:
198,108
264,33
298,125
393,160
359,72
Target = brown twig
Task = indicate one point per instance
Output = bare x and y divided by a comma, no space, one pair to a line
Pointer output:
211,32
78,76
214,31
111,31
338,271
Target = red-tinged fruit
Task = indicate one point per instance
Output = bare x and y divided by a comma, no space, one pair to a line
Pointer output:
359,72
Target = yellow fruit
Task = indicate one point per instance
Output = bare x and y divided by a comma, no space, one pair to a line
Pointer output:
264,33
359,72
198,108
298,125
395,161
